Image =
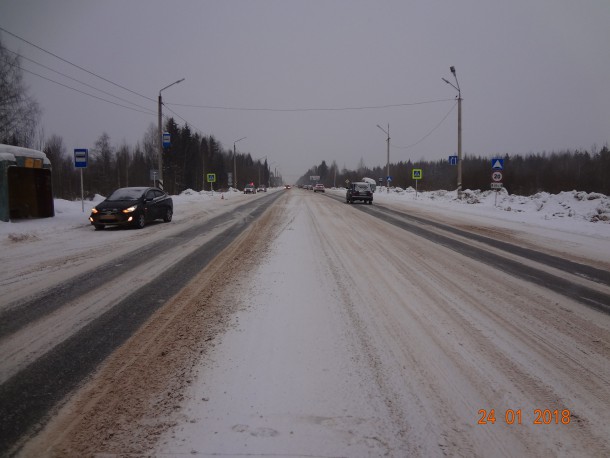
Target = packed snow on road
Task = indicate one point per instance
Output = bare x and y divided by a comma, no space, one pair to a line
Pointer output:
327,332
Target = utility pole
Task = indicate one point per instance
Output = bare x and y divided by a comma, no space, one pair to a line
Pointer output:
235,163
160,133
388,162
456,86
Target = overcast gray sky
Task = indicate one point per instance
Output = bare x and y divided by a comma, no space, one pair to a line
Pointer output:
534,74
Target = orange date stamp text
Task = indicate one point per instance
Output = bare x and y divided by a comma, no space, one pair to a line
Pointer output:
519,416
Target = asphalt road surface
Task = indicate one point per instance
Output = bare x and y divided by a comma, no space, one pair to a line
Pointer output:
316,328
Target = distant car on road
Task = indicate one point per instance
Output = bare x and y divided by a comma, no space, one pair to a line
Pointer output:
319,187
249,189
132,207
359,191
261,189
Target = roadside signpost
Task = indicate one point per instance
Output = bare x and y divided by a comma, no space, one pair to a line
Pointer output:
211,177
417,175
166,140
497,165
453,160
81,157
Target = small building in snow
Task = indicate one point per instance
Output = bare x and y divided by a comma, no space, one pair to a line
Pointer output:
25,184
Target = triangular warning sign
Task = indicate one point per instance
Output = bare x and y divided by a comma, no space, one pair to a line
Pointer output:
497,164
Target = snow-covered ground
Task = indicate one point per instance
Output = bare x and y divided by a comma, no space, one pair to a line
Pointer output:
359,344
569,212
569,221
355,342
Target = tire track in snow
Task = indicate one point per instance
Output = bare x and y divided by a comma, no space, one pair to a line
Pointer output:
506,343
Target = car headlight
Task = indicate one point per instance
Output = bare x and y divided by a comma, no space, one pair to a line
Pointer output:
130,209
94,210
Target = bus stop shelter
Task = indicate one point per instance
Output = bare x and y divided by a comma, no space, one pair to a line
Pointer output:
25,184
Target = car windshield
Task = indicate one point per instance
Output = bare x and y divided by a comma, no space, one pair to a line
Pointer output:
126,194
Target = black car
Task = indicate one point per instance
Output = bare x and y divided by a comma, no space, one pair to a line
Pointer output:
359,191
132,207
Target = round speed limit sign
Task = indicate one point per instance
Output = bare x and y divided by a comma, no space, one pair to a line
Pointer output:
496,176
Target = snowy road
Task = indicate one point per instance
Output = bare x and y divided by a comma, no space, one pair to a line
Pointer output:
325,331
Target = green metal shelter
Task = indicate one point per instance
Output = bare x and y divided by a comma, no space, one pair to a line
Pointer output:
25,184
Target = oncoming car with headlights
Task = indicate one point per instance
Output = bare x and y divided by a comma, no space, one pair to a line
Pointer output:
132,207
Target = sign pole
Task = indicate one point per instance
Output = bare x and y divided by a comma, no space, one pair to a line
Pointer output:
82,191
416,174
81,157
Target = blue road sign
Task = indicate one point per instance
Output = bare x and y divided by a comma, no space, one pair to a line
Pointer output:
497,164
166,140
389,178
453,160
81,157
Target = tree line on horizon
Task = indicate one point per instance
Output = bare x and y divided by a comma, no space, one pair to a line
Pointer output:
186,163
526,175
191,156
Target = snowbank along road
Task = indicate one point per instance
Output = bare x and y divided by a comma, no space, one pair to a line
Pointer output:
331,330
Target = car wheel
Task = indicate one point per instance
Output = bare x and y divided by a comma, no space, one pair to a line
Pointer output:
141,221
98,227
168,215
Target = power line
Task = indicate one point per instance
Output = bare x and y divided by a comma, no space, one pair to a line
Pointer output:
74,65
150,112
74,79
371,107
429,133
195,128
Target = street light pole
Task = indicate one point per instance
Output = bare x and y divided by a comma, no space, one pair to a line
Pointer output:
259,168
388,163
160,134
235,163
456,86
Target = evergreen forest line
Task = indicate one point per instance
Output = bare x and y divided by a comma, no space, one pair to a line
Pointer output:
522,175
191,156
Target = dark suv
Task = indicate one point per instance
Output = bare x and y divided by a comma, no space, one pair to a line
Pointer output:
359,191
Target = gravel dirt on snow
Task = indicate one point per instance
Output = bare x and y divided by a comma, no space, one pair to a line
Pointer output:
325,332
361,340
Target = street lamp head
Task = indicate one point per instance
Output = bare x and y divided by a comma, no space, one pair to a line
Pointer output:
383,130
170,85
445,81
452,68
